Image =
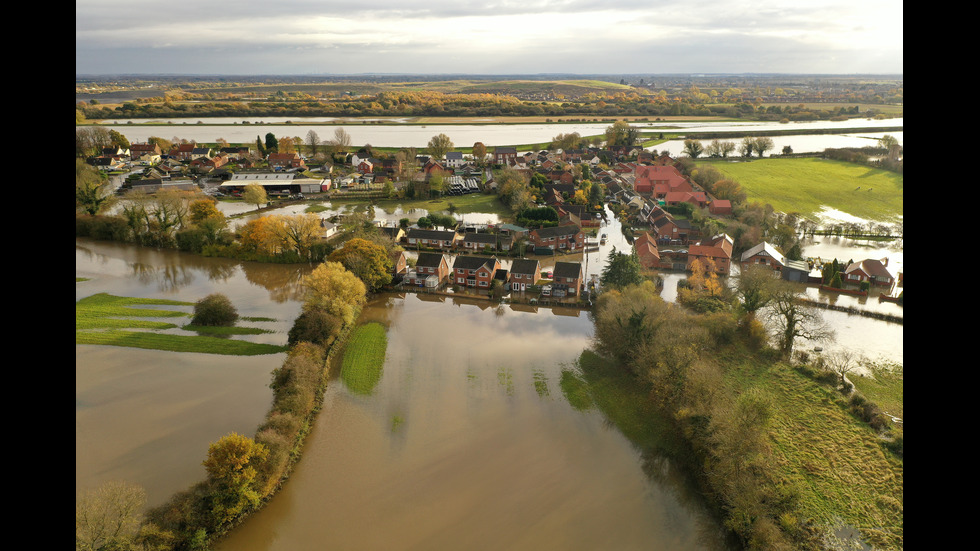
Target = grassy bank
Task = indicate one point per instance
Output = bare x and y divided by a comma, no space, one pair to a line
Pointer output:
364,358
807,185
113,321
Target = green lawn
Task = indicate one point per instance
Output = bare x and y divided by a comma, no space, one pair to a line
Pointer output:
806,185
111,320
364,358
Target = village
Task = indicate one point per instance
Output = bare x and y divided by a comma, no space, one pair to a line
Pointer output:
648,192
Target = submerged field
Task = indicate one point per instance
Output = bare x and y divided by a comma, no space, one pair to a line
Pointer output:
808,185
133,322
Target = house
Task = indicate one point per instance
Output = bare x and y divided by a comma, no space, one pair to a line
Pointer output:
329,229
474,241
717,249
646,251
454,159
567,279
138,151
504,155
182,152
720,207
436,239
657,180
524,273
431,270
870,270
475,271
570,238
395,233
286,160
696,198
764,254
399,263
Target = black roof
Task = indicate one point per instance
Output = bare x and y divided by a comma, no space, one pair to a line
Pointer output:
556,231
430,260
568,269
473,262
524,266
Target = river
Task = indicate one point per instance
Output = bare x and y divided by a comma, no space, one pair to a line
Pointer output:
395,133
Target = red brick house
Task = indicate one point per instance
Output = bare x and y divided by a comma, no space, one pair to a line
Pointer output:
764,254
504,155
567,279
524,273
646,251
721,207
286,160
657,180
870,270
138,150
559,238
696,198
718,248
475,271
431,269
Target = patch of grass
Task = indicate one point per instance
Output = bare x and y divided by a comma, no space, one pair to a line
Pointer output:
224,330
541,384
110,320
835,465
575,389
364,358
806,185
885,386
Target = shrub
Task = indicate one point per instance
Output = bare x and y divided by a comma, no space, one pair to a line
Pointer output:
214,309
315,326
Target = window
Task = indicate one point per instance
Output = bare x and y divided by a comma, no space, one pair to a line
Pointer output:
461,280
483,284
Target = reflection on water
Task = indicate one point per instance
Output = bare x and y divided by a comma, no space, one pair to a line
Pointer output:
468,442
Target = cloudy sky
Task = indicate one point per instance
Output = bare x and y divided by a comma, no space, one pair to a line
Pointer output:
301,37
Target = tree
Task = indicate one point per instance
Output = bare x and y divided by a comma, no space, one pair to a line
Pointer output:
255,194
729,189
762,144
439,146
109,517
754,289
341,141
296,232
479,153
214,310
693,148
313,142
622,269
333,289
271,143
368,261
93,192
232,465
842,362
747,147
790,317
203,209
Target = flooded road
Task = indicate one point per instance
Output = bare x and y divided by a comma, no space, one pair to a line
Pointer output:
468,442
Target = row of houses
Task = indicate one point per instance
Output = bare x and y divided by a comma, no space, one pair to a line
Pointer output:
433,270
555,239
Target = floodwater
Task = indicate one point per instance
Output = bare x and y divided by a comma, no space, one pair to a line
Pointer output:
467,442
148,416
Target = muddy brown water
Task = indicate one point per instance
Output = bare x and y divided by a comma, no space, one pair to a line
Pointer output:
467,442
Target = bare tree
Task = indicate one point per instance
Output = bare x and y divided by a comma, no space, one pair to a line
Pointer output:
313,142
842,362
109,517
790,317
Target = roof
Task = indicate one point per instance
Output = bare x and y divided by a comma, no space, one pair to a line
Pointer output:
568,269
873,268
524,266
768,249
473,237
431,260
473,262
418,233
557,231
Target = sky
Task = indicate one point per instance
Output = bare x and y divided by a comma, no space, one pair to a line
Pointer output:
488,37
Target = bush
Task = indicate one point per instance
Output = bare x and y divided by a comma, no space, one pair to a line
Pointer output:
315,326
214,309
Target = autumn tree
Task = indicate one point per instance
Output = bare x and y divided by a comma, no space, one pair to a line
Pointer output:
232,466
730,190
296,232
257,236
693,148
762,144
215,309
334,290
479,153
754,289
440,145
287,145
202,209
255,194
365,259
109,517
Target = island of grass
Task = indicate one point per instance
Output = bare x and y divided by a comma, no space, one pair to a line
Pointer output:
364,358
134,322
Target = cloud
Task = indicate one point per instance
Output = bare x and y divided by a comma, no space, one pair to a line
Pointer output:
527,36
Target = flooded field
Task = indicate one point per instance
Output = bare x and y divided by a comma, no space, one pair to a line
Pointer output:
468,442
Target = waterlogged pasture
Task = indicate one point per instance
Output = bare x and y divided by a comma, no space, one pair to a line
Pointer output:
106,319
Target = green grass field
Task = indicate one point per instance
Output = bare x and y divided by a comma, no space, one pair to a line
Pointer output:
113,321
807,185
364,358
